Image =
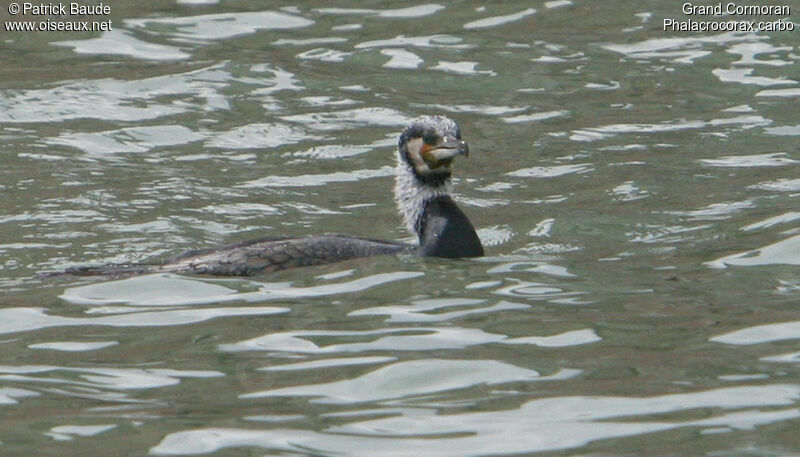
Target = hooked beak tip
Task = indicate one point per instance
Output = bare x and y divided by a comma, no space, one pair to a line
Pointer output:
463,148
455,147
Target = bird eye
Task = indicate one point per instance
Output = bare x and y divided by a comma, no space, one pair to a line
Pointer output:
430,139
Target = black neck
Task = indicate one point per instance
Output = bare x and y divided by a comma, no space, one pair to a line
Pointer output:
433,180
445,231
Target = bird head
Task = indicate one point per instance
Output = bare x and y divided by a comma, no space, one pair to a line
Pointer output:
429,145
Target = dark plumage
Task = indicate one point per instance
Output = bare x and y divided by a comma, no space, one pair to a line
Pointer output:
445,231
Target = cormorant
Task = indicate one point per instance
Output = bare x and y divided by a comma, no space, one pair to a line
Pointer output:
425,150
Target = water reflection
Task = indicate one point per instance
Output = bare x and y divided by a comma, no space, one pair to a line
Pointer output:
123,42
401,338
782,252
69,432
761,334
128,140
73,346
258,136
776,159
396,13
424,41
499,20
406,380
174,290
16,320
111,99
319,179
434,310
100,378
349,119
608,131
535,426
680,50
194,29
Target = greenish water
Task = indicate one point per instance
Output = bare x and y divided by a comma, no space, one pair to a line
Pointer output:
636,191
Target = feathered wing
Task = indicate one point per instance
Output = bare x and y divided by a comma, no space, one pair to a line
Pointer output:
259,256
266,256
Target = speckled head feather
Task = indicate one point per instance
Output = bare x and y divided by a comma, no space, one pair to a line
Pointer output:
426,129
415,181
429,125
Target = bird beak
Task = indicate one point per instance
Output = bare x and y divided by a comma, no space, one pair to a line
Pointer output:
451,147
442,154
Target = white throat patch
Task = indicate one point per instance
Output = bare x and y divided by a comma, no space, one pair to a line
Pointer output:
410,195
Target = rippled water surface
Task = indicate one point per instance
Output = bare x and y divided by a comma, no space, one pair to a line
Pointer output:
636,191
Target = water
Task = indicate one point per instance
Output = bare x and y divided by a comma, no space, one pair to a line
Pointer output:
636,191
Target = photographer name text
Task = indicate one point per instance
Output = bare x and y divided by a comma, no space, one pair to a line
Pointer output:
57,17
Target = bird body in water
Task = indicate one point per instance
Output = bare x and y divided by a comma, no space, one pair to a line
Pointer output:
426,149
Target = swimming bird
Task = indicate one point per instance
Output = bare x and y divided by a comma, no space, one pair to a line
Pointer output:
423,184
